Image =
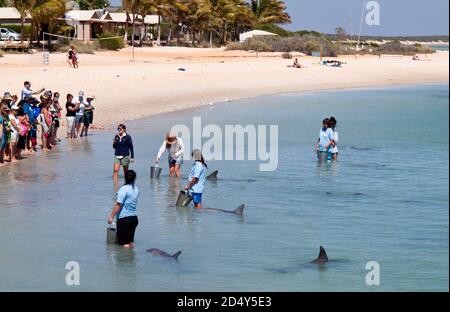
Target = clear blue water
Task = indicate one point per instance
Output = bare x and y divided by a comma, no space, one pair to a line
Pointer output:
439,47
394,154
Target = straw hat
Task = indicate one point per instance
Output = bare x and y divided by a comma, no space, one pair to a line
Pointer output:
171,138
7,97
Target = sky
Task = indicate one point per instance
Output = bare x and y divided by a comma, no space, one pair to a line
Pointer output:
397,17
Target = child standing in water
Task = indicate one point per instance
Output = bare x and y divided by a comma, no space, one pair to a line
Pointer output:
197,178
334,149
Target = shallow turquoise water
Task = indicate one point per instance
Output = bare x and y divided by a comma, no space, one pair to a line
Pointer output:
386,200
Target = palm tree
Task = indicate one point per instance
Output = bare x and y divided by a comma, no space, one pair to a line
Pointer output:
46,12
145,7
23,7
270,12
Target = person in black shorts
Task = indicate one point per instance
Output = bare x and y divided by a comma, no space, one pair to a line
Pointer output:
125,211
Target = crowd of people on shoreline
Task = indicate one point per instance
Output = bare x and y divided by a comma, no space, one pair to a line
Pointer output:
40,114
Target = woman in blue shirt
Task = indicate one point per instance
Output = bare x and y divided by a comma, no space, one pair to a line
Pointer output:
125,211
197,178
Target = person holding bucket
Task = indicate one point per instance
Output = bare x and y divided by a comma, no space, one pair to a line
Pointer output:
175,147
123,148
197,178
125,211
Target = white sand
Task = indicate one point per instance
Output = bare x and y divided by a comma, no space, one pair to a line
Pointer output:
152,84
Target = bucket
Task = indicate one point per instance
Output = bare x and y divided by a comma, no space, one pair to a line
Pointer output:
155,172
111,235
183,199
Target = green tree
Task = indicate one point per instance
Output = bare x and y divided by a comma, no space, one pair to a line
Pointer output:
92,4
341,34
270,12
46,12
23,7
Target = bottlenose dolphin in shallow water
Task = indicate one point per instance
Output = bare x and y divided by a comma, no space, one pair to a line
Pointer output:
239,211
161,253
322,258
213,176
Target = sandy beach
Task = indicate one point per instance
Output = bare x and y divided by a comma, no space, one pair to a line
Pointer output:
153,84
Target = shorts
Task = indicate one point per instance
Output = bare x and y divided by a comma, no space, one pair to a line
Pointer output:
196,198
173,162
126,227
125,161
14,137
78,119
87,119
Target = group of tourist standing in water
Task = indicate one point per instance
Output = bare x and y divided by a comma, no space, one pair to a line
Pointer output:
127,196
124,210
39,112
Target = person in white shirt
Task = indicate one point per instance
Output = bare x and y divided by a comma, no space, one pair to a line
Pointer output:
334,144
80,103
175,147
26,91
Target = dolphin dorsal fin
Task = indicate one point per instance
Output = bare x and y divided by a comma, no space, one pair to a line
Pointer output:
175,256
240,210
322,254
213,176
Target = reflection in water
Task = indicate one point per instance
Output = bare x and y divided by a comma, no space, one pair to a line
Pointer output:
123,267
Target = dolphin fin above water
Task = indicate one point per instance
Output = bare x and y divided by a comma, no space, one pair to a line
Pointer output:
213,176
161,253
239,211
323,258
176,255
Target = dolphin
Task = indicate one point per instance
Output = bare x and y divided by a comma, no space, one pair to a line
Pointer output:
213,176
160,253
239,211
323,258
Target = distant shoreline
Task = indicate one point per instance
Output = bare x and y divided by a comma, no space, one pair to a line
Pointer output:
152,84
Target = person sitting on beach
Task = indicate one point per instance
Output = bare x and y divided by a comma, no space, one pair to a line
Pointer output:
125,211
26,91
175,147
323,145
296,64
197,178
416,58
123,148
334,144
